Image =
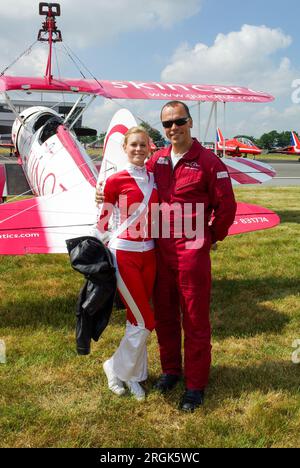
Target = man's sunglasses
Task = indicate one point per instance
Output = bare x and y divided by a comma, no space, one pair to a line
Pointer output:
178,122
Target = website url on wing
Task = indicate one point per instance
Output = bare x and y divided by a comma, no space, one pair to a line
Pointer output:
19,236
206,97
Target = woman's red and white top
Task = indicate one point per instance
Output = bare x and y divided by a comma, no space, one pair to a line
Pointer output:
125,192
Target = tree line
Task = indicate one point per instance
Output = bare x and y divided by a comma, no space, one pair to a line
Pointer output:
271,139
267,141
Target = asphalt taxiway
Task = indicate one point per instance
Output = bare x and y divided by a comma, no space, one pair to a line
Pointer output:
287,172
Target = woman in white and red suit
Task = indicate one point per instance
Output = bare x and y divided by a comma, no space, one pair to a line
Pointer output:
131,193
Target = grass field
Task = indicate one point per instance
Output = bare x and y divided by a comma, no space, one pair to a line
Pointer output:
50,397
277,157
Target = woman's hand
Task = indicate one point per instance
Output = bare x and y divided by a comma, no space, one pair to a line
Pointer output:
99,196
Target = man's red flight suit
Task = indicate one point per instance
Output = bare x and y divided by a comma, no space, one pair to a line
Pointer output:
184,275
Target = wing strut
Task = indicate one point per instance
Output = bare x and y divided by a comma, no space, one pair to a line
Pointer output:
224,124
73,108
12,108
82,111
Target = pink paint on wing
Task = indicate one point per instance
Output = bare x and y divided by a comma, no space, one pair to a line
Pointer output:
241,177
21,230
265,169
68,142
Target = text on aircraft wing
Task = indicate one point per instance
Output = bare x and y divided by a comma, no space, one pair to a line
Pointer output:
249,218
180,91
42,224
136,89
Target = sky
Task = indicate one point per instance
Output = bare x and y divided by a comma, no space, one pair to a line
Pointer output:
254,44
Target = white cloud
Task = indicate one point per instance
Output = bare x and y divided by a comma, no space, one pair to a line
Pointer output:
249,57
269,118
241,57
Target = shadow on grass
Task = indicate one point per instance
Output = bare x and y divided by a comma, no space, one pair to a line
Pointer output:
232,382
238,309
56,313
269,376
292,216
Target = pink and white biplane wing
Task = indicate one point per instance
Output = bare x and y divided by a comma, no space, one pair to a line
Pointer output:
244,171
135,89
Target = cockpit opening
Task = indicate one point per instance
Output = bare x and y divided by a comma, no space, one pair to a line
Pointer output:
50,128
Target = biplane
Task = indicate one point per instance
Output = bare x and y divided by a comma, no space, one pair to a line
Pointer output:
60,174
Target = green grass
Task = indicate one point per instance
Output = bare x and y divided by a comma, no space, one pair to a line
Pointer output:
50,397
277,157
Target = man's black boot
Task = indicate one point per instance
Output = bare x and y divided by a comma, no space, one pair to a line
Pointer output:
166,382
191,400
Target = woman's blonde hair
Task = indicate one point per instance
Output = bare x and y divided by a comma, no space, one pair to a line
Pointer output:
134,130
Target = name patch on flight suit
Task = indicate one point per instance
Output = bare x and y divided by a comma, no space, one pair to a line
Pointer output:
222,175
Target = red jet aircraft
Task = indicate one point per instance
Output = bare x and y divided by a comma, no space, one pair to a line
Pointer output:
236,146
294,147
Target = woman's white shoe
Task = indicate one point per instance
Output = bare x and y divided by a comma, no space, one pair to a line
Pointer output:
114,383
136,390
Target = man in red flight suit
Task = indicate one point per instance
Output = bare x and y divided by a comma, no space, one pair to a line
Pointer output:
186,172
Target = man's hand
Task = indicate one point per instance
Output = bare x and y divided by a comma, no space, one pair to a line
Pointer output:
99,196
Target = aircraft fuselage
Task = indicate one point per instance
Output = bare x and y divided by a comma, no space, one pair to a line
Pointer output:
52,158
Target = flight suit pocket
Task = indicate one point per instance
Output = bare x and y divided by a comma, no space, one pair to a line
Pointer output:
189,181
